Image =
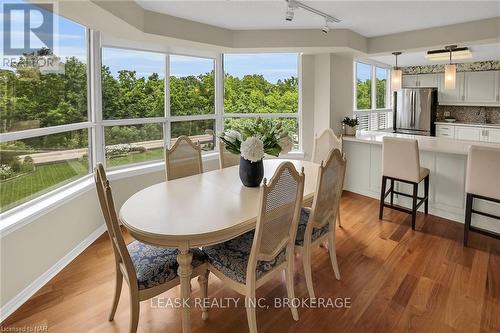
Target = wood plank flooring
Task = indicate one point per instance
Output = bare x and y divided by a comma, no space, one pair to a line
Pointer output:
398,280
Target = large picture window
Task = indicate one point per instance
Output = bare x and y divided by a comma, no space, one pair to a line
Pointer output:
261,85
44,122
372,98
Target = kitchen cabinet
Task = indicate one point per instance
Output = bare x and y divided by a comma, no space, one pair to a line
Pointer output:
491,135
445,131
482,87
452,96
409,81
468,133
420,80
428,80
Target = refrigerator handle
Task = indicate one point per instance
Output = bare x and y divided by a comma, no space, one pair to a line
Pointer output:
412,108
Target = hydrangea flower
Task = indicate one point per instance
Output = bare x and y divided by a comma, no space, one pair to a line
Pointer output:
252,149
232,135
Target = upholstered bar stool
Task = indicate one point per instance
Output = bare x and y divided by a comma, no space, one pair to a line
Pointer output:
482,182
401,163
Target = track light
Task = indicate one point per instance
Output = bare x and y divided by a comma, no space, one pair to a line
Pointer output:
293,4
326,28
289,14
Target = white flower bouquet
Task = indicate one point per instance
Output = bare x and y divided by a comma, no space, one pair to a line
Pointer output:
257,138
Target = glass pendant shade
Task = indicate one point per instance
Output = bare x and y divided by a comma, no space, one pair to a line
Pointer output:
396,76
450,76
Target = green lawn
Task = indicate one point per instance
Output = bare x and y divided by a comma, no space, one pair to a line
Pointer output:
49,176
149,155
45,178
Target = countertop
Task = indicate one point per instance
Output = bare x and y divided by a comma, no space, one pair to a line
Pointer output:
457,123
425,143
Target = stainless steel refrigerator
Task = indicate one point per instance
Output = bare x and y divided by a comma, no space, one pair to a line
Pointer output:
415,111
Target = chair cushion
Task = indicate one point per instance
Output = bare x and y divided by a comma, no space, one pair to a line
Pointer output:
317,232
231,258
424,172
156,265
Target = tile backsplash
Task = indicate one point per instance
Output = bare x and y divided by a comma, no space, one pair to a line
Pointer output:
491,65
470,114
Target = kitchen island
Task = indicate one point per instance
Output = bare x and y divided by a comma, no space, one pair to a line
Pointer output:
447,161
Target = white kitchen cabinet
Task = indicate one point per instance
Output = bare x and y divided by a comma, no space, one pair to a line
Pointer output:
452,96
481,87
428,80
409,81
468,133
445,131
491,135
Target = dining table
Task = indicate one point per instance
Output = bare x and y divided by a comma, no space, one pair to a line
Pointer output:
200,210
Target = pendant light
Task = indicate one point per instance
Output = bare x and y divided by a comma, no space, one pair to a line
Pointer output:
450,71
396,74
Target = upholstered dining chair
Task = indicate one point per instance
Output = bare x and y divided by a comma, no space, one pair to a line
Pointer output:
148,270
183,159
226,158
322,146
317,223
248,261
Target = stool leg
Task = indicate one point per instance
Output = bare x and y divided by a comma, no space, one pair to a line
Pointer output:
468,217
414,206
392,192
426,190
382,197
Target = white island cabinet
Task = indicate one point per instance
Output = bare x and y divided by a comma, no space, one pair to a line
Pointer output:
447,161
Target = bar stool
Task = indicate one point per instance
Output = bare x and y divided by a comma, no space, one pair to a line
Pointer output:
482,182
401,162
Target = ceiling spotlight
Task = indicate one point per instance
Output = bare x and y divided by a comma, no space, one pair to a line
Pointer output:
289,14
290,10
325,28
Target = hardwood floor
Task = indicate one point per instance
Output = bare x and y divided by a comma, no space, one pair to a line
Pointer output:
397,280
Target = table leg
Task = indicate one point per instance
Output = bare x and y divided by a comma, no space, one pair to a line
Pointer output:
184,271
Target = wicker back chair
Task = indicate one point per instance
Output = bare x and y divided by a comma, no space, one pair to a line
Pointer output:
183,159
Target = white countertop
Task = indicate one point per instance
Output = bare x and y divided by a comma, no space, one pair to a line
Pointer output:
425,143
467,124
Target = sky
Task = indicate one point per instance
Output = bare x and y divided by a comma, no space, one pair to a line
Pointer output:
363,72
70,41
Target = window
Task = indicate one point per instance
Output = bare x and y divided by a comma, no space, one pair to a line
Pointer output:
261,85
372,97
133,93
133,144
39,91
192,100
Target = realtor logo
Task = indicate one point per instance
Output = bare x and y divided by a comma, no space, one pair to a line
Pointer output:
25,26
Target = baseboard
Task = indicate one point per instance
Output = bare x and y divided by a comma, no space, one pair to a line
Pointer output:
43,279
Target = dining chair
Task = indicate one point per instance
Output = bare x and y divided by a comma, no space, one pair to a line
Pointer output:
148,270
226,158
317,223
248,261
322,146
183,159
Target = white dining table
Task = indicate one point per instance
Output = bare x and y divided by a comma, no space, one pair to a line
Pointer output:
200,210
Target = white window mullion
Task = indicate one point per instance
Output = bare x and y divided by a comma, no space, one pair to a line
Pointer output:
219,96
167,128
35,132
95,62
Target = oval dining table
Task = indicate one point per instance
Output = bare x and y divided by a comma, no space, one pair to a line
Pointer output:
200,210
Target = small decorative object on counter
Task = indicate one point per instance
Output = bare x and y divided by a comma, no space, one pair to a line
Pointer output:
349,126
253,140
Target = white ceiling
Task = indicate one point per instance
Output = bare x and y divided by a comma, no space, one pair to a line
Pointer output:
479,53
368,18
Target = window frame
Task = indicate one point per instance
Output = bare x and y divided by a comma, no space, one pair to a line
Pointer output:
369,113
297,115
21,214
89,125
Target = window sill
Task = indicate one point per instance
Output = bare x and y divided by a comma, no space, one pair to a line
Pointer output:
24,214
